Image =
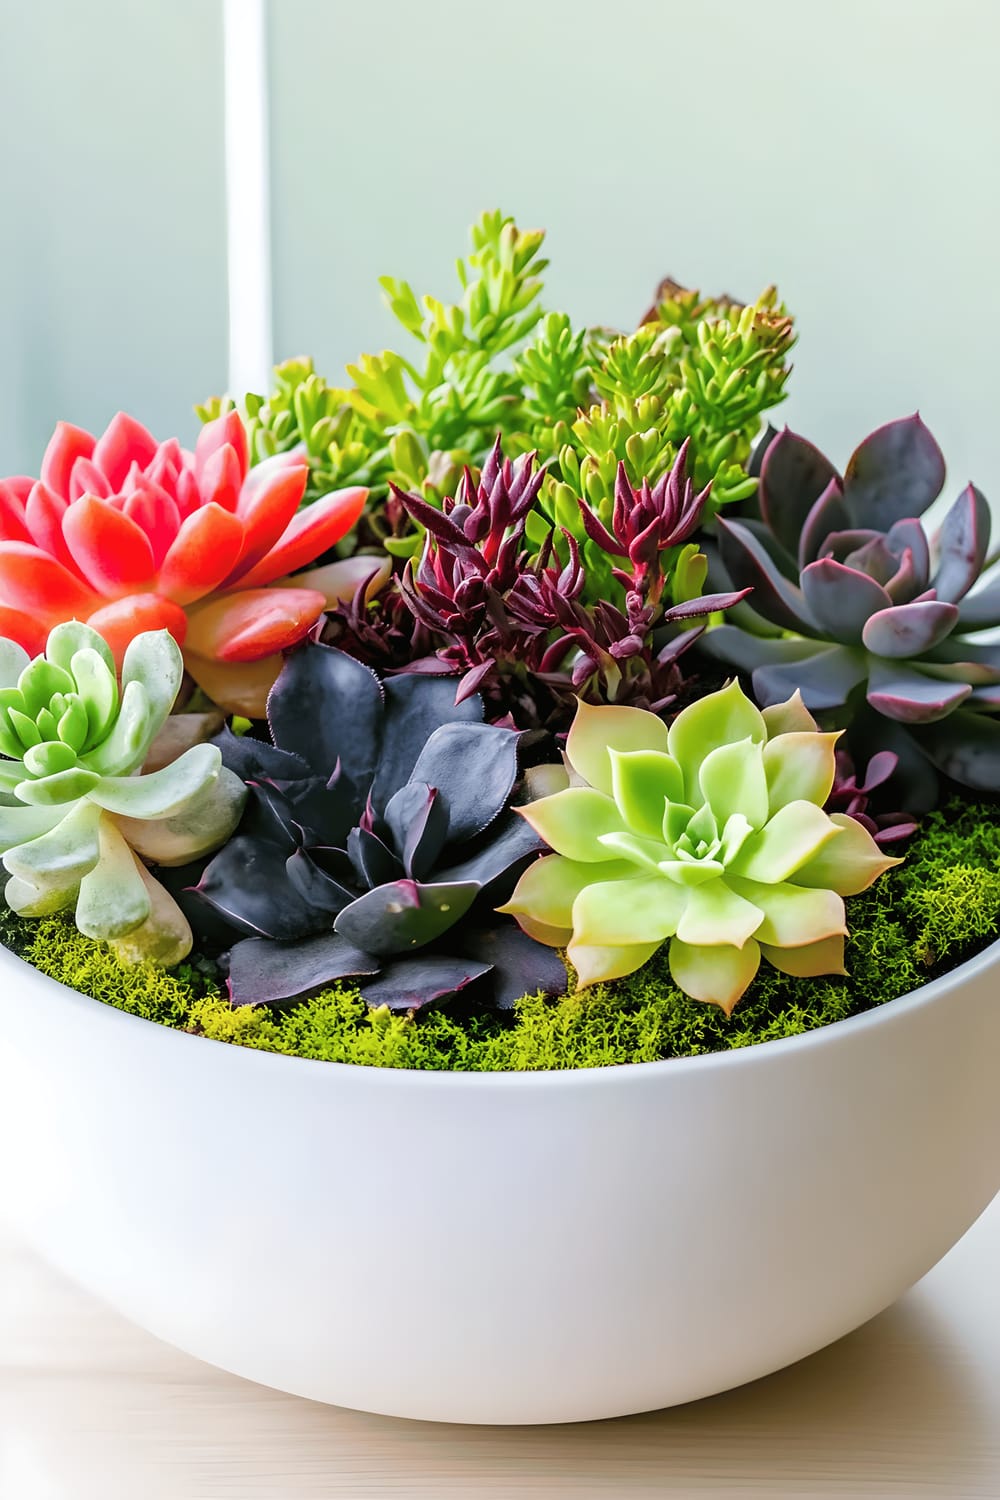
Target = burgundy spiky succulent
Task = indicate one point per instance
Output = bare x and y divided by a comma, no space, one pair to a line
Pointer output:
870,617
511,622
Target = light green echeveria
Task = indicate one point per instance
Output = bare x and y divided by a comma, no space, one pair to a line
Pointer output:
710,834
76,812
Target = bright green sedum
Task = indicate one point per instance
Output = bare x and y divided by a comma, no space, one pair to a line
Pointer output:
710,834
75,811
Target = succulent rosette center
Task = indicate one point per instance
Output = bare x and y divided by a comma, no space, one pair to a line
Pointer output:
710,834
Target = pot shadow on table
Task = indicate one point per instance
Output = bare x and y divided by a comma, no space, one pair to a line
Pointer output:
895,1408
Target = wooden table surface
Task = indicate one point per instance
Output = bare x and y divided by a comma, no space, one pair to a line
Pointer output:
94,1409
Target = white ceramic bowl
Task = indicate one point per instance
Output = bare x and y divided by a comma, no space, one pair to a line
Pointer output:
539,1247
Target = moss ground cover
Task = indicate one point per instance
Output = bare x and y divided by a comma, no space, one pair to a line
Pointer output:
935,910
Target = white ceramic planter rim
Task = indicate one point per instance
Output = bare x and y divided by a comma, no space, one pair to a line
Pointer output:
879,1015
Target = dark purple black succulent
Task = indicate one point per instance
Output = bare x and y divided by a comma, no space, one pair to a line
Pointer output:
873,619
380,836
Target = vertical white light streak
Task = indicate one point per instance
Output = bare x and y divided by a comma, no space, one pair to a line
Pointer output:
248,199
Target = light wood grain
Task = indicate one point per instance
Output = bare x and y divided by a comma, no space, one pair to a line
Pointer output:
94,1409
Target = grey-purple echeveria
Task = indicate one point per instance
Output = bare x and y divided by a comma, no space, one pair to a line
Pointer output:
872,617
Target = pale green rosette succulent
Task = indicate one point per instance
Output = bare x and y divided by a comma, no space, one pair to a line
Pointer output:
76,813
710,834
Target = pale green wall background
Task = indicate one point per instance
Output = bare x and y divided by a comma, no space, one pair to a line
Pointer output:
112,215
847,150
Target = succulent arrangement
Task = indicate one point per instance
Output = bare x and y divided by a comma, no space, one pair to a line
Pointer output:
494,675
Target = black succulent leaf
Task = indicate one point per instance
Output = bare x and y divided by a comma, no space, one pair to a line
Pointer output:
379,819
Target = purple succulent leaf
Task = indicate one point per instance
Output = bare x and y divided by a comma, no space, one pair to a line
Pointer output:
327,708
326,809
915,783
255,760
841,600
906,584
418,822
318,889
959,660
441,526
987,696
416,704
265,973
980,610
893,828
749,566
513,843
843,545
963,545
705,604
793,476
881,766
740,648
896,472
268,817
403,915
374,863
521,966
903,574
598,532
909,696
908,630
966,747
247,883
825,679
909,536
413,984
473,679
674,647
760,448
474,767
826,515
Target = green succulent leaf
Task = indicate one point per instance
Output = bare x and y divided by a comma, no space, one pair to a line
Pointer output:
113,899
58,789
718,719
641,782
594,731
795,835
98,690
154,660
733,782
718,975
65,641
573,821
161,794
715,913
124,746
625,912
13,660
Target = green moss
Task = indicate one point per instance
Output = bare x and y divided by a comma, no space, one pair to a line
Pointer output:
937,909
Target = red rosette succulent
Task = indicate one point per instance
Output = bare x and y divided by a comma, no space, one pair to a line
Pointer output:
129,534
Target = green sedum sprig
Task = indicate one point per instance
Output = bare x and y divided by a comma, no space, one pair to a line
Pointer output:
698,370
